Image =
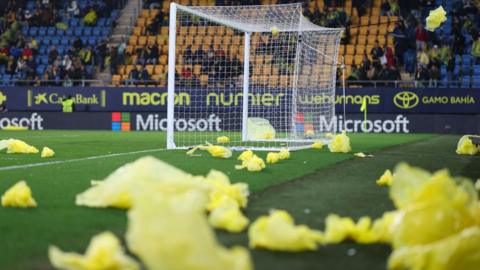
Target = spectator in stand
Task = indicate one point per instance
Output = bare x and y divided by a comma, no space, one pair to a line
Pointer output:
394,8
154,26
445,54
376,53
133,76
410,60
143,75
422,58
388,54
434,76
199,56
450,68
420,37
366,64
21,69
458,41
87,55
434,56
384,8
52,55
152,54
422,75
78,44
101,53
11,65
113,59
73,10
67,63
476,50
121,53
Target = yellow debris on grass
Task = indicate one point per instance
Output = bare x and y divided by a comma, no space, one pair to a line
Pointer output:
273,158
277,231
386,179
47,152
19,195
104,253
214,150
465,146
340,143
223,139
245,155
14,146
317,145
252,164
170,231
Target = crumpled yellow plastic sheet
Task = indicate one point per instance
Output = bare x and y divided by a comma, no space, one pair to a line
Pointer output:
103,253
214,150
273,158
339,229
435,18
284,154
245,155
340,143
465,146
252,164
386,179
19,195
115,190
14,146
223,139
169,231
425,199
47,152
277,231
460,251
317,145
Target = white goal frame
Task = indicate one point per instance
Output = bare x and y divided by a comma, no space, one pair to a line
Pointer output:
290,143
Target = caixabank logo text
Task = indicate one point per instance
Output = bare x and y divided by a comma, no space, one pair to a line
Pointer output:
121,121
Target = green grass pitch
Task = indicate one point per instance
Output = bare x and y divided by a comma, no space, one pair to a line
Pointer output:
315,180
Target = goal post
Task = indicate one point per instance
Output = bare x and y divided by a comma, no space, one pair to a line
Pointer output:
264,76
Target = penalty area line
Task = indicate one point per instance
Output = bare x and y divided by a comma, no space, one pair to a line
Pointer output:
49,163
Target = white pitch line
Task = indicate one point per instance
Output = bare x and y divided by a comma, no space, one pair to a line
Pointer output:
42,164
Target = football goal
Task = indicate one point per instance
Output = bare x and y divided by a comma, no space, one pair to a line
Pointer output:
263,76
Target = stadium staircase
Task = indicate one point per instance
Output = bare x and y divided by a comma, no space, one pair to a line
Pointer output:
121,32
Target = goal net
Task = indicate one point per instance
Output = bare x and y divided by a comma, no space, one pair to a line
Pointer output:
263,76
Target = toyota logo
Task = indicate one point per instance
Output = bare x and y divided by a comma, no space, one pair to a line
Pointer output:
406,100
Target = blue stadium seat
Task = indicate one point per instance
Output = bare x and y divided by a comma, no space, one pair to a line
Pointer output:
44,60
47,41
51,31
101,22
42,50
476,69
87,31
92,41
32,31
55,41
65,41
97,31
42,31
73,22
25,30
78,32
2,69
40,69
106,32
60,32
69,32
61,50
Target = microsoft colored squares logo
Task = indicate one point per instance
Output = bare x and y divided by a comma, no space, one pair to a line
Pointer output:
120,121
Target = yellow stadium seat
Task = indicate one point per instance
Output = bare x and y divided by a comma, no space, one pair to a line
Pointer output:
349,60
162,40
381,40
382,29
149,69
211,31
372,29
362,39
350,50
383,19
164,30
164,49
363,30
121,70
227,40
142,40
163,59
132,41
229,32
141,22
192,30
134,58
364,20
145,13
359,49
183,30
128,69
151,40
358,59
236,40
201,30
371,40
158,69
354,31
137,31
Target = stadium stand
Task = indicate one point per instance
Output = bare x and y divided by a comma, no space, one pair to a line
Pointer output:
56,42
385,41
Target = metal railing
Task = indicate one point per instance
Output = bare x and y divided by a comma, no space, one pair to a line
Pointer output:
349,84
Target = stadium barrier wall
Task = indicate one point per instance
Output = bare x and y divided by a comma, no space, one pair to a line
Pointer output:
154,99
151,121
